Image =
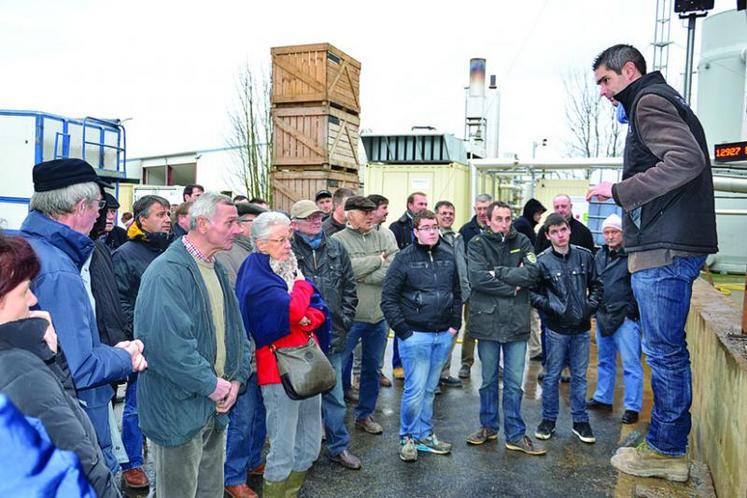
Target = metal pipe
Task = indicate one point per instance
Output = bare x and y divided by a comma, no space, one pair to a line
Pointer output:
689,56
730,184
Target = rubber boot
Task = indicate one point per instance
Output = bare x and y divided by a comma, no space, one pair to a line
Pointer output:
274,489
295,482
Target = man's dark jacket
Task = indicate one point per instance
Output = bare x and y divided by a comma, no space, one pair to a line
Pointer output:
569,291
618,302
497,265
525,223
41,386
130,262
580,236
421,290
469,230
115,238
664,204
112,324
402,229
328,267
331,227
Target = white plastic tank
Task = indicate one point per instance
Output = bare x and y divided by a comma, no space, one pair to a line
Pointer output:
722,95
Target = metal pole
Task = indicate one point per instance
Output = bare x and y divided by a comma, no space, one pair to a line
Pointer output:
689,56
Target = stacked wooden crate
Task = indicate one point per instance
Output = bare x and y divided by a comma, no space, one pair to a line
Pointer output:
315,115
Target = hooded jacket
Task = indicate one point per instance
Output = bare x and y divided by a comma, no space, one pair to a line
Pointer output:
173,318
368,268
60,290
525,223
498,265
130,262
421,290
329,268
32,378
569,290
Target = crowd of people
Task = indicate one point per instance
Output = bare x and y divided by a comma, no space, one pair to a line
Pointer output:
191,307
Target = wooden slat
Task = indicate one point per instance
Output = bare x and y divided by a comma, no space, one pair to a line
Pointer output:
353,89
299,136
294,70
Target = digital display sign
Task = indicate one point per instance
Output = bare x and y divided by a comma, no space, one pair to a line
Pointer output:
735,151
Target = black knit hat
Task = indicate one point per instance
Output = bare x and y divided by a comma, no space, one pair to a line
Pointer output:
61,173
111,201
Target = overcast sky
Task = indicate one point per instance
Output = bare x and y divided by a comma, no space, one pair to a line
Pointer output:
172,66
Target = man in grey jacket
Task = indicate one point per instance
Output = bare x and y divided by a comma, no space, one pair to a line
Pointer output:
371,252
502,267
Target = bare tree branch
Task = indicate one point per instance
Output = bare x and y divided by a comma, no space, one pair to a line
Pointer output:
593,129
251,134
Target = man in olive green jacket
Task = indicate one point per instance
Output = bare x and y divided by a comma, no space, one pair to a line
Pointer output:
371,251
187,313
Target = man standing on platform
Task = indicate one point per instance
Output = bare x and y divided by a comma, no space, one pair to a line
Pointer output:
669,227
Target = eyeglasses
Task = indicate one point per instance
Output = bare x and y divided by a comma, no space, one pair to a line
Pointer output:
313,218
281,241
431,228
102,203
246,221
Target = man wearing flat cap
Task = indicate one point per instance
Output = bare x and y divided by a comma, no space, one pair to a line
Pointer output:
64,207
371,251
326,263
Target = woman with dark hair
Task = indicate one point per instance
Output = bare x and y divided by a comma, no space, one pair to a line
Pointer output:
281,309
32,372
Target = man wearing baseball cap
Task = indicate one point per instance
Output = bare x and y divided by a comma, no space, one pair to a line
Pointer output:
325,262
64,207
323,201
371,251
618,326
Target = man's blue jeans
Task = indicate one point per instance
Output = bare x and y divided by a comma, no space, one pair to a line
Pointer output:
663,296
333,411
423,356
246,434
514,359
132,436
575,349
373,340
627,340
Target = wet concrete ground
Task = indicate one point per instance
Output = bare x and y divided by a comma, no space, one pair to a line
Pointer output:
570,468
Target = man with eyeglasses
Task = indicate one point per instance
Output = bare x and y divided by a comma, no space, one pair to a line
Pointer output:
371,252
65,205
325,262
422,304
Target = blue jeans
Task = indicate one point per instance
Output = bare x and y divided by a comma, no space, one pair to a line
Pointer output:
514,359
561,348
627,340
423,356
373,340
132,436
396,358
245,434
295,431
334,410
663,296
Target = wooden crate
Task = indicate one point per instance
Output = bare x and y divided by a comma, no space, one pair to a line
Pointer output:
294,185
317,73
316,137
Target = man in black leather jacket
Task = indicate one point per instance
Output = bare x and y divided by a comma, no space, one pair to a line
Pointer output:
422,303
324,261
569,293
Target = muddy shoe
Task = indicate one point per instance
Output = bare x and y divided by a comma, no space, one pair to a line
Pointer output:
431,444
630,417
526,445
369,425
482,436
408,452
645,462
398,373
